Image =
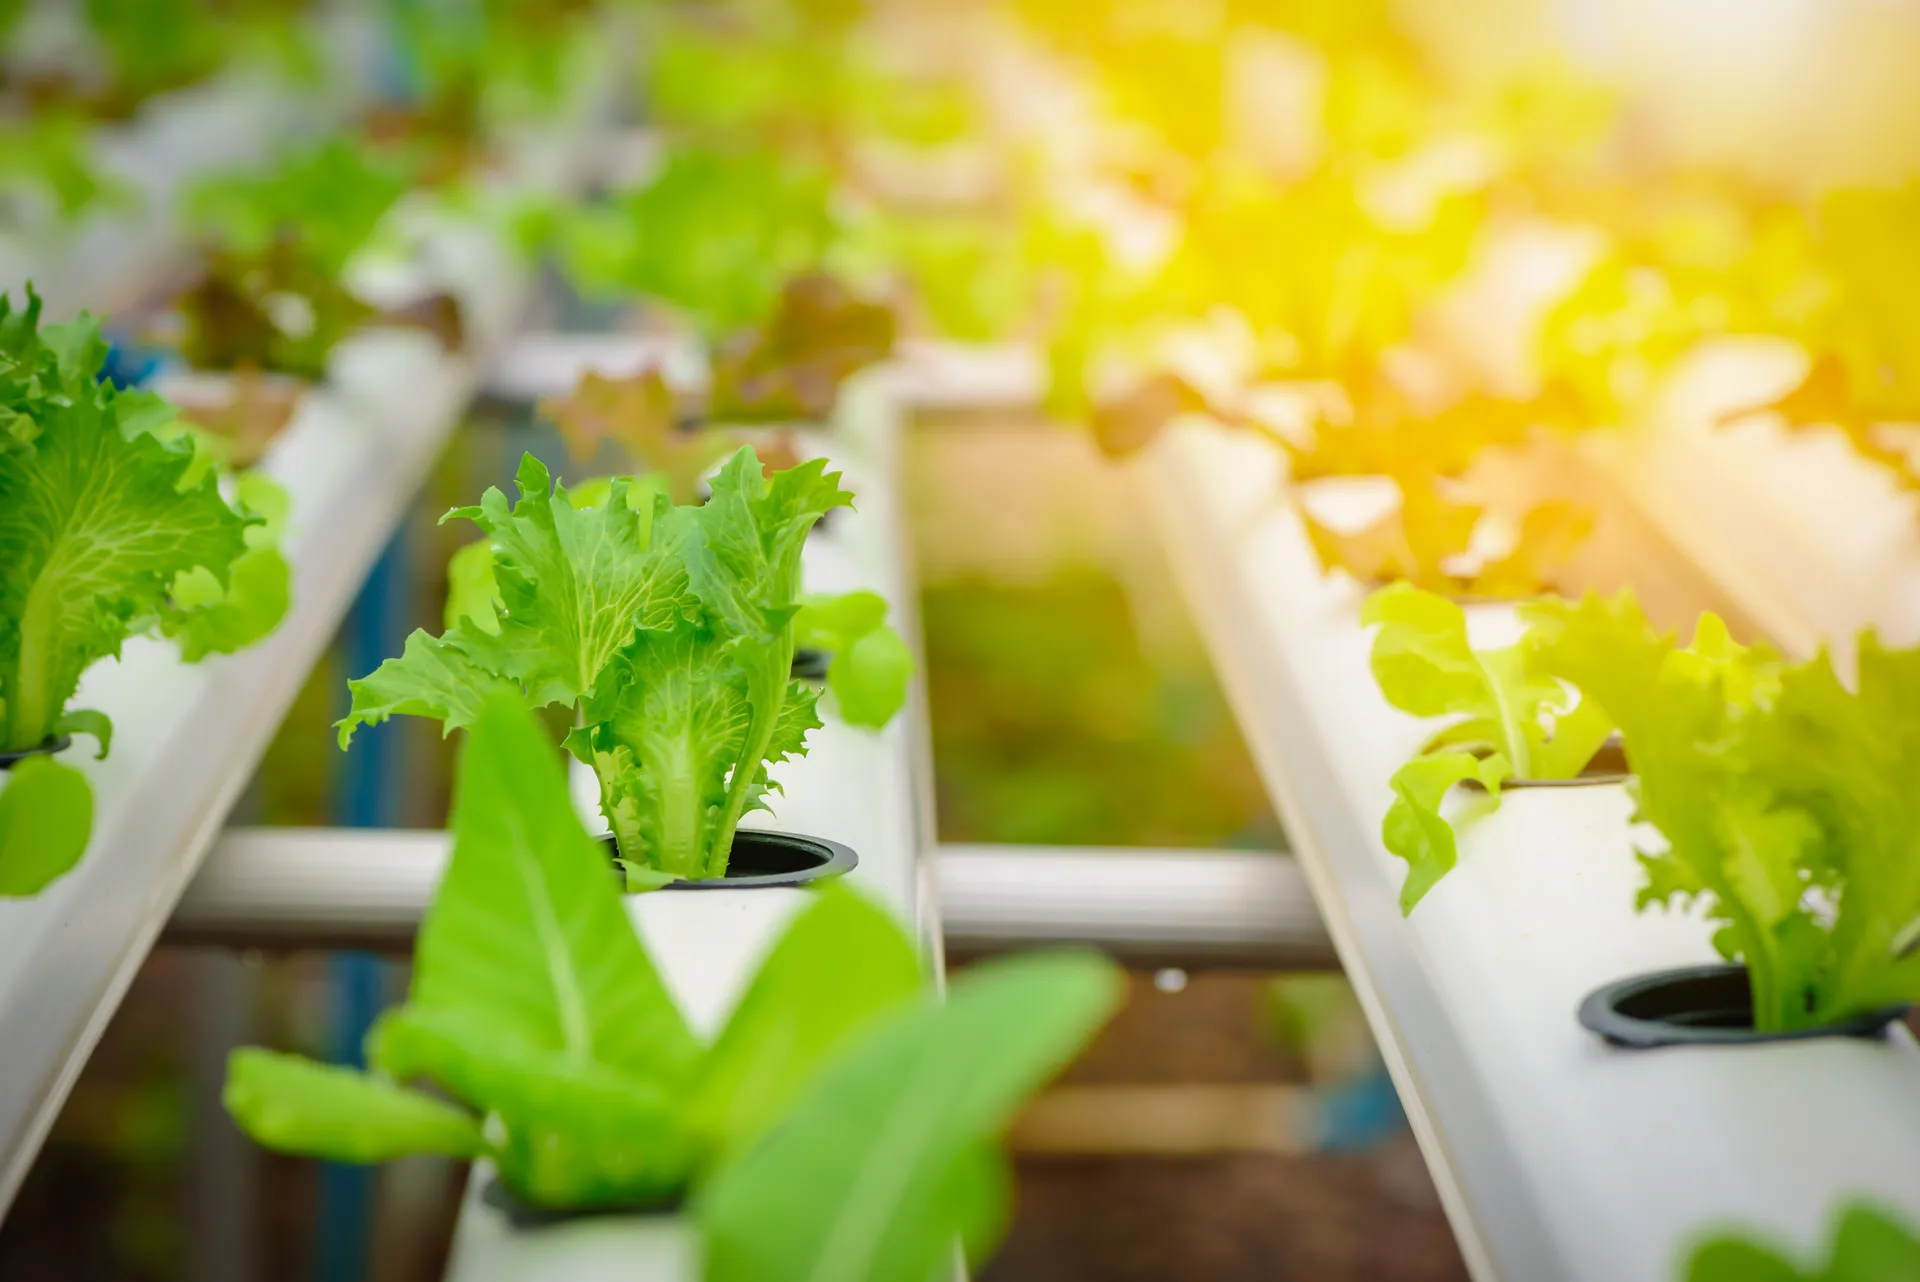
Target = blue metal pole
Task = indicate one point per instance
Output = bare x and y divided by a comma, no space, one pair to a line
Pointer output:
369,796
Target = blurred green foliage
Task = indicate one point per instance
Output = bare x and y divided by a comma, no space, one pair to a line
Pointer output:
1052,726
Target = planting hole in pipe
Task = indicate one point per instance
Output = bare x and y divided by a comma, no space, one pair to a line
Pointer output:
525,1215
1700,1006
761,858
1608,765
810,664
46,747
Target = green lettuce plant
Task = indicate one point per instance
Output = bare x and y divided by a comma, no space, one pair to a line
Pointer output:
669,631
1787,802
46,816
110,526
871,665
1870,1244
716,233
271,295
1509,719
558,1055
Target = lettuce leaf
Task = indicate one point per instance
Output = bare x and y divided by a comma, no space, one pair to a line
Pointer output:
1862,336
745,568
883,1162
572,585
293,1105
1509,720
205,616
791,366
668,630
1688,721
46,817
871,666
99,519
1849,761
663,738
1870,1244
472,595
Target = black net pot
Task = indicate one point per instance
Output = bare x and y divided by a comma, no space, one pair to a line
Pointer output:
45,748
762,858
1701,1006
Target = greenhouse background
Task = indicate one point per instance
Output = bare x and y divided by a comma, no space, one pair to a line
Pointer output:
876,640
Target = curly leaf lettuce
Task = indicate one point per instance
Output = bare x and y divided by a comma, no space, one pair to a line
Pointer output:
1510,720
668,630
746,571
1691,723
205,616
99,519
871,666
572,586
1846,763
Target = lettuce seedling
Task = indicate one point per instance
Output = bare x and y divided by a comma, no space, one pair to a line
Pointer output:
538,1015
1786,802
668,630
109,527
1870,1244
270,295
1511,720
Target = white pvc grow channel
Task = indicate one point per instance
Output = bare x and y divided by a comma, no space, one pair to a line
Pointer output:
1556,1157
1815,542
187,737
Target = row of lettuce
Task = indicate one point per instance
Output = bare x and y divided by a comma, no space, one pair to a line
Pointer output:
1182,211
1781,796
1193,212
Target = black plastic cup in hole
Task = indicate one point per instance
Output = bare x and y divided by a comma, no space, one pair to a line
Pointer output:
1701,1006
810,664
1607,765
763,858
45,748
525,1215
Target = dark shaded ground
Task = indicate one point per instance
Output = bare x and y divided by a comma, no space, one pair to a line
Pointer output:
1359,1216
1231,1218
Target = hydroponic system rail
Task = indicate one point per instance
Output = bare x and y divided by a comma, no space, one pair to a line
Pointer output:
1556,1156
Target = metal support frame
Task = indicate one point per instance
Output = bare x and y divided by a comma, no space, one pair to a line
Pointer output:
300,888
